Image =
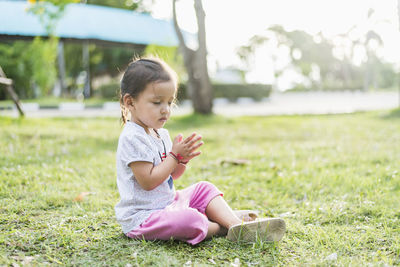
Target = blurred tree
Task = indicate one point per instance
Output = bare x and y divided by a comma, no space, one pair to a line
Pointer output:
171,56
42,55
326,64
35,72
143,6
32,66
386,75
198,83
376,73
49,14
246,52
372,41
306,55
104,60
17,63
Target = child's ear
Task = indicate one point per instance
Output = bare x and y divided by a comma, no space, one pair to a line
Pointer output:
128,100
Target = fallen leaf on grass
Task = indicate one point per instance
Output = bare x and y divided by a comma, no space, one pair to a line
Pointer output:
82,195
272,165
235,161
332,257
235,263
25,260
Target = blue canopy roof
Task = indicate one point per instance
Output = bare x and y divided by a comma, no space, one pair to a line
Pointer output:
89,22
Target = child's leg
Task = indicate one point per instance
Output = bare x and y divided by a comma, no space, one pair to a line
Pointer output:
271,229
215,229
206,198
219,211
185,224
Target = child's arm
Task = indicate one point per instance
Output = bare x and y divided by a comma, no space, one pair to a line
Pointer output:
179,170
150,176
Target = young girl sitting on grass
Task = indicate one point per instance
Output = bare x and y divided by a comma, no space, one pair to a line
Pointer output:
148,163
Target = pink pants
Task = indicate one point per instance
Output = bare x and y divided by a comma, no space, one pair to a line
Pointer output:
184,219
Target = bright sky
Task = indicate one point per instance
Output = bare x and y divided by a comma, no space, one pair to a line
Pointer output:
231,23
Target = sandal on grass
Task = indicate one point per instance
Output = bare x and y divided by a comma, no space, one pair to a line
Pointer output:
247,215
271,229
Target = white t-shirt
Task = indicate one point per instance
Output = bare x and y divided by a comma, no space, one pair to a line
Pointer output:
137,204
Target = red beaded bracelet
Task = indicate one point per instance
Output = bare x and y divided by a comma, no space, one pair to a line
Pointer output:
178,157
184,162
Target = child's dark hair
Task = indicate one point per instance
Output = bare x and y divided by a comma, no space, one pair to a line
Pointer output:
141,72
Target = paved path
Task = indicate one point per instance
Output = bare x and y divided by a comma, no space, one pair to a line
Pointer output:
277,104
315,103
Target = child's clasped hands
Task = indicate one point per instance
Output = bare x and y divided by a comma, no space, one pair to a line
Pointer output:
184,150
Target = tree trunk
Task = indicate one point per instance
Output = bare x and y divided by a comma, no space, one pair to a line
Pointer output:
199,85
61,66
367,72
86,64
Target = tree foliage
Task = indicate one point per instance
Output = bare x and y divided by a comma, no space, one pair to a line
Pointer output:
32,65
49,12
326,63
143,6
171,56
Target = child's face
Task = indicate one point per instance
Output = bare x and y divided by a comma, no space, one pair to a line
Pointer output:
152,108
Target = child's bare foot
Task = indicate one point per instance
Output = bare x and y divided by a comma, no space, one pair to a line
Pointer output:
246,215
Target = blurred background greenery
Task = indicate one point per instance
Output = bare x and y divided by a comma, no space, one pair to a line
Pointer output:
323,63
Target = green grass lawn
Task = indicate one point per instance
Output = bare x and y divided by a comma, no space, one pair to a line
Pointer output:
335,180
